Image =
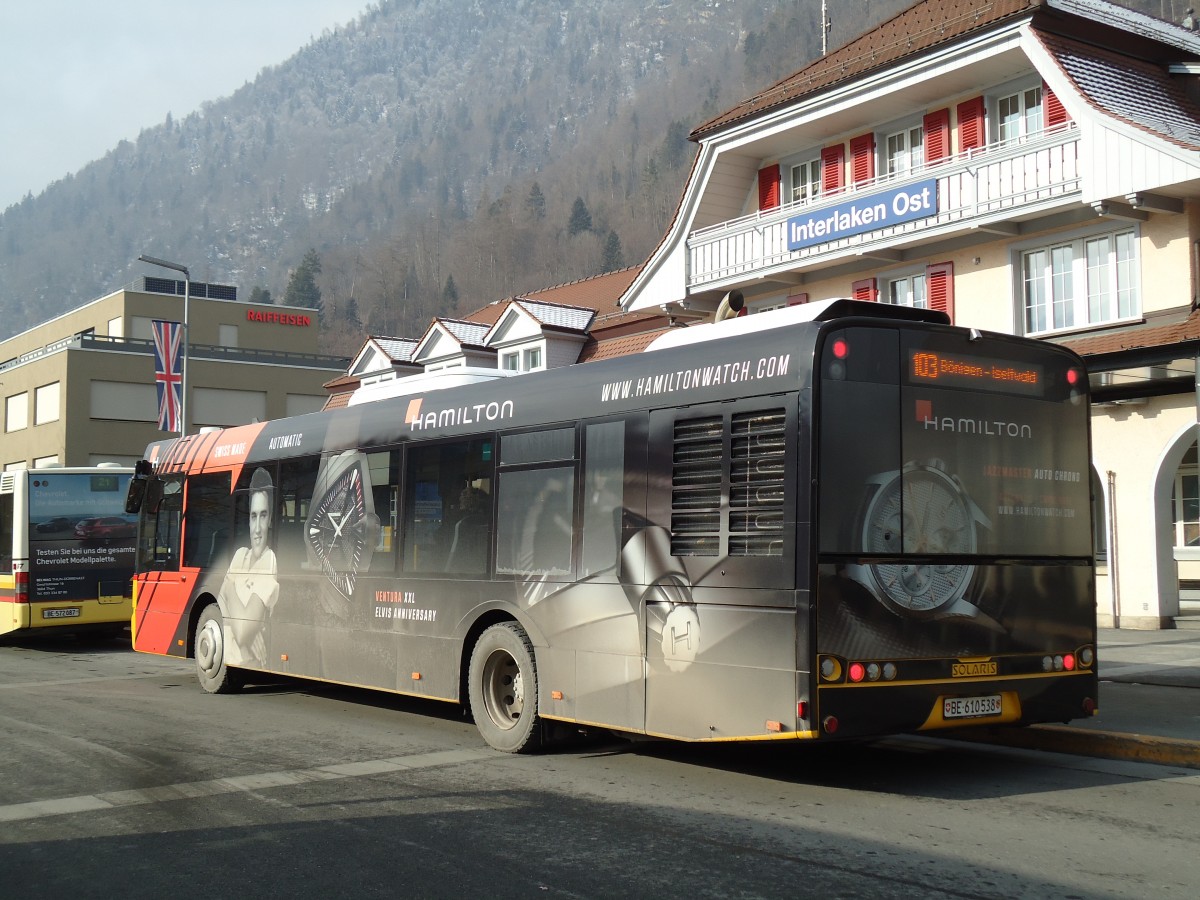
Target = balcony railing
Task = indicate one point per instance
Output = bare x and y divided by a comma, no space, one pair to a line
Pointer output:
993,183
88,340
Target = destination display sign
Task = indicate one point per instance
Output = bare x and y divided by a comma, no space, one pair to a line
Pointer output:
979,372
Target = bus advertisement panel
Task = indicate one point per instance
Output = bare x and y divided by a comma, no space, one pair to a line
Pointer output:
957,541
81,542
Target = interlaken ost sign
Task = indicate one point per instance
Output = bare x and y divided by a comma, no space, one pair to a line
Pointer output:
862,214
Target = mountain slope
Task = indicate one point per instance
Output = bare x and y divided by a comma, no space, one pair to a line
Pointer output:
437,154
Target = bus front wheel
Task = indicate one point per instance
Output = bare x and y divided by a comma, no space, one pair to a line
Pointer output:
502,683
214,676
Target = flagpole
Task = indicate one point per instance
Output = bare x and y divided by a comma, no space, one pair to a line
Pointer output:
183,362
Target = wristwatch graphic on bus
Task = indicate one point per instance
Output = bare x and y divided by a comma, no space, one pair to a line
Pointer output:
342,528
921,510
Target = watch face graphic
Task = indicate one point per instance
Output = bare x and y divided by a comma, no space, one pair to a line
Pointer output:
919,511
341,527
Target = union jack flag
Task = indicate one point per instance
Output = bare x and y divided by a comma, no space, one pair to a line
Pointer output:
168,373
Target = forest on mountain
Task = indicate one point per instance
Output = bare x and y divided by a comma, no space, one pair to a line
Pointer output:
427,159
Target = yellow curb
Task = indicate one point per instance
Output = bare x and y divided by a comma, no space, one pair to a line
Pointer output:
1101,744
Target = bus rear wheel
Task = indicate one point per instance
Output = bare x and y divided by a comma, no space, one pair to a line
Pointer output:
214,676
502,682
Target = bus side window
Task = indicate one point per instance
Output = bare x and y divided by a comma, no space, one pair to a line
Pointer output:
447,485
158,549
603,486
208,520
6,533
536,503
297,481
537,509
384,468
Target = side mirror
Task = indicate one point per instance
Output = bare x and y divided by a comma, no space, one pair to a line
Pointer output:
135,495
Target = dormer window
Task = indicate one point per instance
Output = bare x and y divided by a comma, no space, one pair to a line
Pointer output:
510,362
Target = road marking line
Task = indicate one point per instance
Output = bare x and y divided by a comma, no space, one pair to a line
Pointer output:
62,682
188,790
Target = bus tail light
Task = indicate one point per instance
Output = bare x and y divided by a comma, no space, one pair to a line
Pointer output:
1069,662
21,587
857,672
801,709
830,724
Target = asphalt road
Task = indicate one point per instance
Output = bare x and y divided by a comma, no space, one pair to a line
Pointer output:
121,778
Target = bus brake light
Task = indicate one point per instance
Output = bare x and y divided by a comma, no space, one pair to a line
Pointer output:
21,587
857,672
1069,662
841,349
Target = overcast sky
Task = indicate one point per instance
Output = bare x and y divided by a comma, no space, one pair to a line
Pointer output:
79,76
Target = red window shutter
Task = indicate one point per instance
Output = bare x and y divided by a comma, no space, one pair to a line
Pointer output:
939,287
862,155
797,299
1053,112
768,187
971,131
833,169
937,136
864,290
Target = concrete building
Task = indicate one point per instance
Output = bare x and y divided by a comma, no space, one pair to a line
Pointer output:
79,389
1028,166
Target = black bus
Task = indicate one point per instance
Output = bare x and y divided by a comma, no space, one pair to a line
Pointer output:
832,521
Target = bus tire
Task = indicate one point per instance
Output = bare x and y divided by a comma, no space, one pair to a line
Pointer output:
502,683
212,673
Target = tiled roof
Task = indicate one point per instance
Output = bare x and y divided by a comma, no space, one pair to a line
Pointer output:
466,333
600,292
1141,337
397,349
557,315
594,350
338,401
1140,93
911,32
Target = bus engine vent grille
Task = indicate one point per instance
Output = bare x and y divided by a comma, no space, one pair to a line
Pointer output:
696,486
757,449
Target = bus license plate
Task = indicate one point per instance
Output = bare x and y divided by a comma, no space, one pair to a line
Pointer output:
971,707
70,612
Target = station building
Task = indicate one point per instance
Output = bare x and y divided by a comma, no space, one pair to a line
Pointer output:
80,389
1030,167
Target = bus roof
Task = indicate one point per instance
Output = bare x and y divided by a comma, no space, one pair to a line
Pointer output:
820,311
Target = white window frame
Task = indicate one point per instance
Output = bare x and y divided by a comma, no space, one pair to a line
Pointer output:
907,289
47,403
532,359
510,362
805,180
16,412
1019,114
1079,282
904,150
1187,478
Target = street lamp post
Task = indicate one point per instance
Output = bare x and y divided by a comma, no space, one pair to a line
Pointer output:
183,362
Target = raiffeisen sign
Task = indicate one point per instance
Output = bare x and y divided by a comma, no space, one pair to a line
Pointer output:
862,214
278,318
